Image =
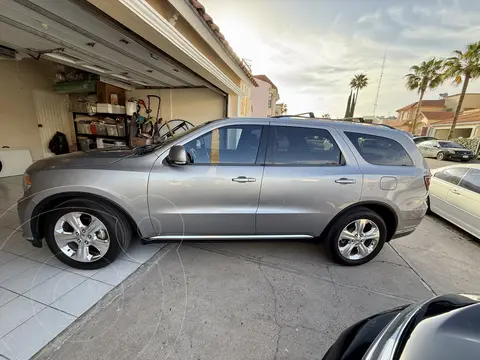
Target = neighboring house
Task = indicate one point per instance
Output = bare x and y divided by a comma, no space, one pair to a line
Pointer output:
268,90
280,109
426,119
471,101
468,126
169,48
408,112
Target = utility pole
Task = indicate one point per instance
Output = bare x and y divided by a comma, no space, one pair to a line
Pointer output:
379,84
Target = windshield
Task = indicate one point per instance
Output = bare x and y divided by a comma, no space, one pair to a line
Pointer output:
450,144
144,149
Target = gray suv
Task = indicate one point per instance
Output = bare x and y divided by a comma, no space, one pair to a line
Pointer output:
352,186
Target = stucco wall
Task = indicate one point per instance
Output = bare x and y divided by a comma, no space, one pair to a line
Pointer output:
470,101
260,99
194,105
18,119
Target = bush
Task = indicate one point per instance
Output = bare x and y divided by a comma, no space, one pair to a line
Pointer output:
470,143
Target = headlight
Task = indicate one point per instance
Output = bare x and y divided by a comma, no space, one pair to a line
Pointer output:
450,151
27,182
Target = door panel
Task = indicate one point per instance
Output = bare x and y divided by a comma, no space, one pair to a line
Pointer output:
52,116
465,208
439,190
217,192
299,198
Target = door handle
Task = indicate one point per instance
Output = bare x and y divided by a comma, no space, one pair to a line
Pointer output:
455,191
244,179
345,181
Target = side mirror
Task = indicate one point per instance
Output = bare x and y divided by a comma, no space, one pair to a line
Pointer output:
177,155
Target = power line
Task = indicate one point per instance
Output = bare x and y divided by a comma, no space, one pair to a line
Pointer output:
379,83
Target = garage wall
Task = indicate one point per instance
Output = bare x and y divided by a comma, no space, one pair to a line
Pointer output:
18,120
194,105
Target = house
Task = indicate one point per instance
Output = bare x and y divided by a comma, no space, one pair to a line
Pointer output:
471,101
264,97
407,113
468,126
118,49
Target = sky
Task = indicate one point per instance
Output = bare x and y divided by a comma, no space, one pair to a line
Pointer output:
311,49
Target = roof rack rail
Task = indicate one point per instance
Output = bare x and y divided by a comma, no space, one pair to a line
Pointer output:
352,119
311,115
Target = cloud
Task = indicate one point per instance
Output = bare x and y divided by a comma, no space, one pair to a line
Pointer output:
370,18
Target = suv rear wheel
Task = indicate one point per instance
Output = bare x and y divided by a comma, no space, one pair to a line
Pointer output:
86,234
356,237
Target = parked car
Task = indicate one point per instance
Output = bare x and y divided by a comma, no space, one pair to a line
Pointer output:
455,196
443,328
419,139
354,186
445,150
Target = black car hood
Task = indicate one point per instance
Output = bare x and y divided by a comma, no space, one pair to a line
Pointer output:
444,328
83,159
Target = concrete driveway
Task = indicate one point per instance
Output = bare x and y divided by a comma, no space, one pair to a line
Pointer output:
261,300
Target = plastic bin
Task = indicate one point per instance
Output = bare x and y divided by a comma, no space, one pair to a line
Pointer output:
121,129
112,130
102,129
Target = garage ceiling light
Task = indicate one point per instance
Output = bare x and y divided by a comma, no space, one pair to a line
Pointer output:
64,57
97,68
123,77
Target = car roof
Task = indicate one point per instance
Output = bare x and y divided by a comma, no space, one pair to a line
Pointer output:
465,165
337,124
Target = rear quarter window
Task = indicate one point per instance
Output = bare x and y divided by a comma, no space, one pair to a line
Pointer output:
380,150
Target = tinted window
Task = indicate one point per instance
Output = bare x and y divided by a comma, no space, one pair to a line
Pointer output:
471,181
380,150
450,144
452,175
237,144
304,146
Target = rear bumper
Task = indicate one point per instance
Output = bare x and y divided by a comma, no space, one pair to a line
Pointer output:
410,219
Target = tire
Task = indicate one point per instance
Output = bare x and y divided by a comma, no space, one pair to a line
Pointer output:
440,156
118,233
333,241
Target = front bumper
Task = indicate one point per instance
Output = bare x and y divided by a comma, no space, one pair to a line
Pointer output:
25,208
459,156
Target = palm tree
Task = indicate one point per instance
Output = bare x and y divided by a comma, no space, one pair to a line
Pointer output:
349,105
358,82
427,75
462,67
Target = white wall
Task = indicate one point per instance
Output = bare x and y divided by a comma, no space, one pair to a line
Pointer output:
18,119
260,99
194,105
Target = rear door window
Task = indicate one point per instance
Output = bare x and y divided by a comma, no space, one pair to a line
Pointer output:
303,146
452,175
471,181
380,150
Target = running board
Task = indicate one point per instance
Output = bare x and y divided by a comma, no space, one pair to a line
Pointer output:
229,237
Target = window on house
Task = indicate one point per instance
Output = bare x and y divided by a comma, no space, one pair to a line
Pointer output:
270,101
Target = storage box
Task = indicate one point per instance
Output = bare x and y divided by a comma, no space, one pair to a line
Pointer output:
83,128
121,129
118,109
112,130
104,108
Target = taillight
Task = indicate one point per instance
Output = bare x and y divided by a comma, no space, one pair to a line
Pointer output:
427,181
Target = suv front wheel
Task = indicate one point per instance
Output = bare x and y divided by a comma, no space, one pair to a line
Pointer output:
86,234
356,237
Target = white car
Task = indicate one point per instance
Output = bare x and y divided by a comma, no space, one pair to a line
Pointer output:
455,195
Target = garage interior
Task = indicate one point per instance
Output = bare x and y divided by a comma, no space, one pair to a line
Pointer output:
70,68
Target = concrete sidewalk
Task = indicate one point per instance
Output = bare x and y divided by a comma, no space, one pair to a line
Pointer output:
254,300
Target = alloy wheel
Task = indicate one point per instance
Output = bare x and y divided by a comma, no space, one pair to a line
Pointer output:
358,239
82,237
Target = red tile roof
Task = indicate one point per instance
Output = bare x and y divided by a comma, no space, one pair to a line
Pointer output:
438,115
425,103
473,116
266,79
216,30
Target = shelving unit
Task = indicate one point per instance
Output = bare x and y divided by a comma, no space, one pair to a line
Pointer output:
96,136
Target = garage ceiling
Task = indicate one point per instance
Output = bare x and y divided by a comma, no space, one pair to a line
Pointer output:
71,34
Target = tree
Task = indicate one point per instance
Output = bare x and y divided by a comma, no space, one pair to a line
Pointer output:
349,104
358,82
427,75
325,116
462,67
